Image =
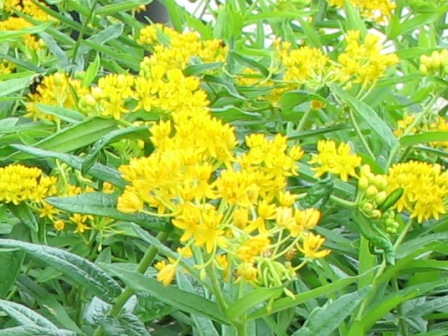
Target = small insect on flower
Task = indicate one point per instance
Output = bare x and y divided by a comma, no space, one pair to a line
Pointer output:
36,81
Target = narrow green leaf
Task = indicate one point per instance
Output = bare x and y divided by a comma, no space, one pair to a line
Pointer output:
85,133
324,320
48,302
393,300
241,306
204,326
24,214
35,331
62,113
126,324
428,307
287,302
199,69
187,302
120,7
424,138
369,115
24,315
13,85
91,71
100,204
11,263
78,269
136,132
249,62
103,173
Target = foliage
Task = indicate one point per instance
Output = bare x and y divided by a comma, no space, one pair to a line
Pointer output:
255,168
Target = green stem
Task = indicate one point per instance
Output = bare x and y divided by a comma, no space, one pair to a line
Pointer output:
360,135
217,291
147,260
380,271
83,29
343,202
409,129
303,120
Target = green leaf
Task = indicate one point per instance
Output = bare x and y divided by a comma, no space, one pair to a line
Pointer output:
11,263
126,324
85,133
104,173
287,302
100,204
428,307
393,300
13,85
24,214
187,302
120,7
47,302
135,132
24,315
369,116
249,62
256,296
199,69
80,270
70,116
91,71
424,138
324,320
204,326
35,331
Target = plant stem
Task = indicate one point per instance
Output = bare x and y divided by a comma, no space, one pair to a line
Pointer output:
148,258
83,29
217,291
303,120
360,135
343,202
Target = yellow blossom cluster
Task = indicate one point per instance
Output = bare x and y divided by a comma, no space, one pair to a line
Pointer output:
231,207
27,7
19,183
363,62
58,90
434,64
304,66
425,188
376,10
173,50
334,159
434,123
18,23
6,67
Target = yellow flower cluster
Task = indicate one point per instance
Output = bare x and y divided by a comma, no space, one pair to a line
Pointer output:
57,90
376,10
6,67
19,183
433,123
231,207
18,23
363,62
176,49
334,159
26,7
425,188
304,66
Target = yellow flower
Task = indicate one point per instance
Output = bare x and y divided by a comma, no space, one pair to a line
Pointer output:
166,272
247,272
311,245
307,218
19,183
59,225
335,160
129,202
425,189
80,221
48,211
377,10
363,63
253,247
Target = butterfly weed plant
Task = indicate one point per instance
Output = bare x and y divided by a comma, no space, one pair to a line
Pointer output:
253,168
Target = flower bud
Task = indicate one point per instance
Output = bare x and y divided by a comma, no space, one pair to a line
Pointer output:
380,197
363,183
371,191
